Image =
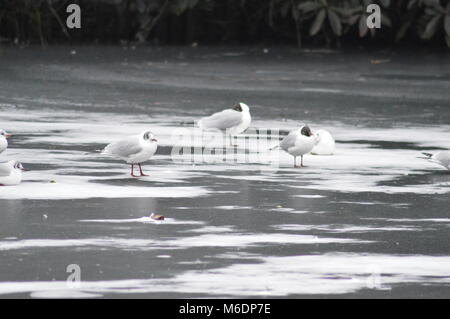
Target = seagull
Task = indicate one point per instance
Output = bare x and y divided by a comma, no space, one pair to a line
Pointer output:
298,143
134,149
441,158
3,140
10,173
231,121
326,144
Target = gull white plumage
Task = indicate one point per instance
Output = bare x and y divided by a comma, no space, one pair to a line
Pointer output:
326,144
231,121
11,173
441,158
298,143
4,140
134,150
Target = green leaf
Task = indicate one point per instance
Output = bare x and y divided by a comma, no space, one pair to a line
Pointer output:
385,20
285,9
353,20
385,3
363,26
447,24
432,3
308,6
431,28
402,31
179,6
411,4
295,14
318,22
335,22
192,4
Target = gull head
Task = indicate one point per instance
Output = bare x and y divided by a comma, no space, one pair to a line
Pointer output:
241,107
306,131
148,136
4,133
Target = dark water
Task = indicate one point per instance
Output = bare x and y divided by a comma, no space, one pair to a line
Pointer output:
370,221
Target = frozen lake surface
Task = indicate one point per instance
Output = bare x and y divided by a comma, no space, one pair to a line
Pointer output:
370,221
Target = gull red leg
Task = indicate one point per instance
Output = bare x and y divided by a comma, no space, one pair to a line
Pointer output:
295,162
132,171
142,173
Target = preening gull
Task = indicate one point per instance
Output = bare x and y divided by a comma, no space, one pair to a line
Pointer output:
134,150
231,121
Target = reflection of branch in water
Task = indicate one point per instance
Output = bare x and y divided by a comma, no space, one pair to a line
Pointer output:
61,24
150,24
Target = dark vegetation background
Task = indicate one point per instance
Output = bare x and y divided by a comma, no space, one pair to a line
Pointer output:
318,23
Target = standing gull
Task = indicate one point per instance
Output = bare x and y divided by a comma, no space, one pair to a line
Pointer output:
3,140
134,150
231,121
298,143
441,158
10,173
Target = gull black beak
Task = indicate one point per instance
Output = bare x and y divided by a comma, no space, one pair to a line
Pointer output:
154,140
8,135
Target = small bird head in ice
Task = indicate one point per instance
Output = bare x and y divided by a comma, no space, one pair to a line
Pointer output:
4,133
148,136
17,165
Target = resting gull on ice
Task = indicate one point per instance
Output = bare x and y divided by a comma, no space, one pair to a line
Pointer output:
10,173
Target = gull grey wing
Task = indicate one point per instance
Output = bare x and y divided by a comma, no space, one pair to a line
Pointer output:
289,141
124,148
222,120
4,170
